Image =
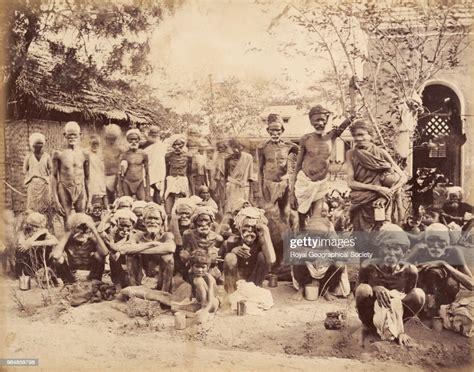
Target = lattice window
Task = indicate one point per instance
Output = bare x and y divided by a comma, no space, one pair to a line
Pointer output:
436,126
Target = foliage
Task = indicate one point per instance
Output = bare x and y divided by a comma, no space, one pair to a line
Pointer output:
407,46
103,41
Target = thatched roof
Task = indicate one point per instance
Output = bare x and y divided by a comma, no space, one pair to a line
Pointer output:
36,87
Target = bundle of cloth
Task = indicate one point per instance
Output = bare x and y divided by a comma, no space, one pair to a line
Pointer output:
458,316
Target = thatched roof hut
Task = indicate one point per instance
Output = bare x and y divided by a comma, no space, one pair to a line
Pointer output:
42,95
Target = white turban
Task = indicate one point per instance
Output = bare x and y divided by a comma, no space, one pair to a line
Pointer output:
133,131
125,214
35,138
112,130
250,213
174,138
139,204
439,230
72,126
153,207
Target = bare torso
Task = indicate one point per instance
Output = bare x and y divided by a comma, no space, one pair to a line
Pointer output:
177,164
111,159
317,150
71,166
276,160
136,161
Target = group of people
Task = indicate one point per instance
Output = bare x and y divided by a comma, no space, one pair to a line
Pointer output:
169,210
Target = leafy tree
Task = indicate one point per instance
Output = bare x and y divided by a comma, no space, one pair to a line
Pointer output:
407,46
103,41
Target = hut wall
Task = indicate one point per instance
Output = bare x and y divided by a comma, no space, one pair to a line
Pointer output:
17,133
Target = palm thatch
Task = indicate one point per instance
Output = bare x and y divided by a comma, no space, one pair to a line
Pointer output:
37,91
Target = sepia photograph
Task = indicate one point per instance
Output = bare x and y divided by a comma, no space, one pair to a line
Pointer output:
236,185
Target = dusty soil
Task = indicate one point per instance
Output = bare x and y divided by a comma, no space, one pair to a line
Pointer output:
291,335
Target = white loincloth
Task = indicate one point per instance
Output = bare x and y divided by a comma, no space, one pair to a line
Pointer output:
307,192
389,321
176,185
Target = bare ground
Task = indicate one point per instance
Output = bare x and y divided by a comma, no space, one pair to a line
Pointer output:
290,336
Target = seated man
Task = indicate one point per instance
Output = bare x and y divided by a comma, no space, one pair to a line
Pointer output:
442,268
249,256
34,246
81,248
154,241
119,234
205,195
202,237
386,293
203,288
455,210
331,275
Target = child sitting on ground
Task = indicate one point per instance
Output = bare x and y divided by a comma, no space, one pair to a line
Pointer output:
203,295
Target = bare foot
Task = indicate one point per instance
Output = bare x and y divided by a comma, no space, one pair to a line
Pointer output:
329,297
299,295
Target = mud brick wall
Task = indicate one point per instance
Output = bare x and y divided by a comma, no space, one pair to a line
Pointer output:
17,133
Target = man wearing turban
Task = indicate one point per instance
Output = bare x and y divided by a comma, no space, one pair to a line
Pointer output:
442,268
34,245
112,152
178,168
82,248
250,255
310,183
201,236
276,161
154,241
136,163
373,177
70,180
37,168
386,295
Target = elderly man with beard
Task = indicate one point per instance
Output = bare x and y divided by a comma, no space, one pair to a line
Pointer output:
442,268
123,221
179,223
70,174
373,177
251,255
154,241
81,248
386,295
201,236
310,183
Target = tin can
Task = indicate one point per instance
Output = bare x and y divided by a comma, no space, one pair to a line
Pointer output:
379,213
241,308
272,281
311,292
437,323
25,283
179,320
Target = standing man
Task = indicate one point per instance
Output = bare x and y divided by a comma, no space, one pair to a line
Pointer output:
273,169
71,174
156,151
238,172
136,164
311,184
37,168
112,152
373,177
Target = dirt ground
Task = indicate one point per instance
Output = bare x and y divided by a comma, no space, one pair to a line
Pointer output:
289,336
